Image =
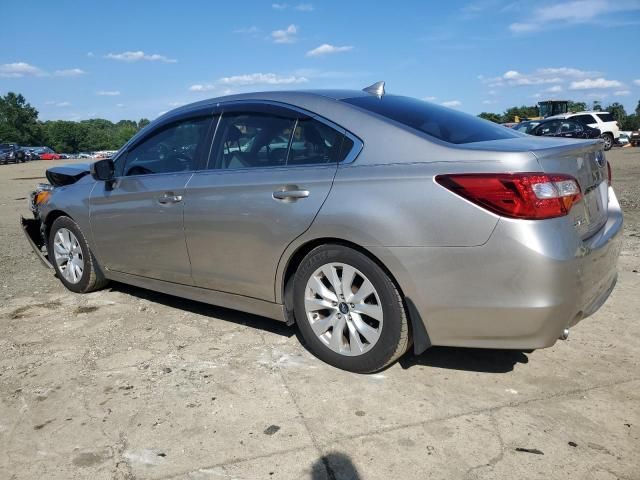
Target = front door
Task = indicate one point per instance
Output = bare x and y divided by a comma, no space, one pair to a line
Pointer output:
268,176
137,221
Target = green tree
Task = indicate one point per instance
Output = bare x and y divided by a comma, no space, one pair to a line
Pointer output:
617,110
18,120
492,117
520,112
638,109
143,122
597,106
576,106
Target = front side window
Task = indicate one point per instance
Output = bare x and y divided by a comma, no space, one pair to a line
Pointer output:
548,128
172,149
568,126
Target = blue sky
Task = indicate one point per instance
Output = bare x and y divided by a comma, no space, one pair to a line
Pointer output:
130,59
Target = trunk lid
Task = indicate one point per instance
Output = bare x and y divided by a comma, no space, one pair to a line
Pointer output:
585,161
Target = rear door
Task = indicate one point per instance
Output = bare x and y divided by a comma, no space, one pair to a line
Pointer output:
137,221
269,172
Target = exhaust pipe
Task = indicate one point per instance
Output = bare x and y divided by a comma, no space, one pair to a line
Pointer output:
565,334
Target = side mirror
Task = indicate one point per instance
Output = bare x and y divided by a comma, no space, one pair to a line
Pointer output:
103,170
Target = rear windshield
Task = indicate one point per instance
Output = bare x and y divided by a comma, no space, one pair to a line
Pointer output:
442,123
606,117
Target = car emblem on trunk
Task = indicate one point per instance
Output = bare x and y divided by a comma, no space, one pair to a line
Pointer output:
600,159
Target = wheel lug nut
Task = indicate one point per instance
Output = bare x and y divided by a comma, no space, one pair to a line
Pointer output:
335,304
352,305
339,315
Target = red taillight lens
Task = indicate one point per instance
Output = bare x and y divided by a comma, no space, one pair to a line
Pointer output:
609,173
531,196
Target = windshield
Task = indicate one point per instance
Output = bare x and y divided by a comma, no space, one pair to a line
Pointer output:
439,122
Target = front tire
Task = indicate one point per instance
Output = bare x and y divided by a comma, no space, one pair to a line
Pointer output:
349,312
608,140
69,253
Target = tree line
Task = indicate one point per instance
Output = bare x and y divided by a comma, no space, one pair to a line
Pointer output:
626,121
19,124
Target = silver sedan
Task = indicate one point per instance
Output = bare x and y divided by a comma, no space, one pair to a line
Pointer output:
374,222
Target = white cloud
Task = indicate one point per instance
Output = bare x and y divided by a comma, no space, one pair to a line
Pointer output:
637,82
120,105
452,103
621,93
138,56
430,99
554,89
304,7
540,76
597,83
488,102
90,54
202,87
572,13
326,49
19,69
262,79
279,6
175,104
108,93
69,72
288,35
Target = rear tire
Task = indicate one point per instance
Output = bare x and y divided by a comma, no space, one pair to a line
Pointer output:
73,261
608,140
373,327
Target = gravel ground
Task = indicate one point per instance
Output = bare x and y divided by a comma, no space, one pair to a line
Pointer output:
127,383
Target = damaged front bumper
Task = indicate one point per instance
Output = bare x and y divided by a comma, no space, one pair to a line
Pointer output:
32,230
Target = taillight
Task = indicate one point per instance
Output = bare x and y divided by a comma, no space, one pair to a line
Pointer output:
530,196
609,173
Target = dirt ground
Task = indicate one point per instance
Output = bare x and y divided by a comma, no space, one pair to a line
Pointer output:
127,383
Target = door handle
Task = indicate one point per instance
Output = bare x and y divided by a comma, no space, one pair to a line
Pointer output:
169,197
290,195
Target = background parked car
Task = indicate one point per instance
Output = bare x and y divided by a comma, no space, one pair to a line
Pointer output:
603,121
634,138
558,128
45,153
10,152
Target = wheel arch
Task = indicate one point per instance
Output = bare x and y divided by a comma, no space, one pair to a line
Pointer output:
50,218
417,332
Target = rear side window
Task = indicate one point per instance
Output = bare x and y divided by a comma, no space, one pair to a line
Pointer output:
253,140
584,119
314,143
258,140
439,122
606,117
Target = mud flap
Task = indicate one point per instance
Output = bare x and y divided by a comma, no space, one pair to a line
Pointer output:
421,340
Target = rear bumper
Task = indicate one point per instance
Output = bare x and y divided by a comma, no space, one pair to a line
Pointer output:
520,290
31,229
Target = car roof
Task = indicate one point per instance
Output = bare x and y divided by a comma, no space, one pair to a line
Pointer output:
293,97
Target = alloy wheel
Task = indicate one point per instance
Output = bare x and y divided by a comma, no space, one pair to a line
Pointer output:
343,308
68,255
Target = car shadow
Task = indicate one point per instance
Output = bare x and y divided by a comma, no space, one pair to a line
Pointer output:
467,359
200,308
334,465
